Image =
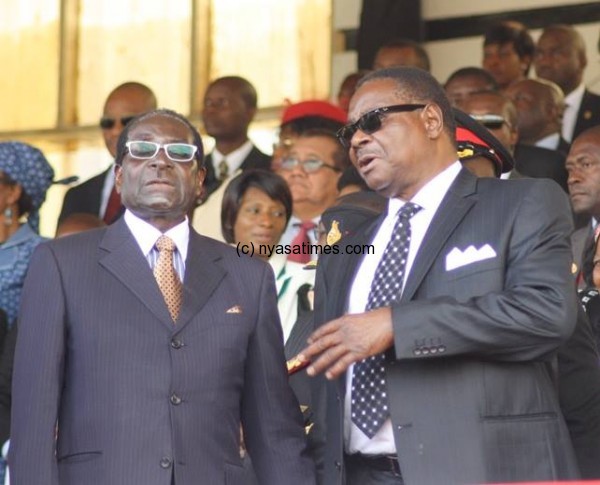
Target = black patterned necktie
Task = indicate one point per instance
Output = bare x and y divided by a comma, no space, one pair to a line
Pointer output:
369,408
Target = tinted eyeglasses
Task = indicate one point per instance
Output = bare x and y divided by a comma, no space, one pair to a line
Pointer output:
370,122
491,122
178,152
309,165
107,123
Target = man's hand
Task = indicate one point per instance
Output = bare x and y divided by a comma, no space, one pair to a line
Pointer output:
348,339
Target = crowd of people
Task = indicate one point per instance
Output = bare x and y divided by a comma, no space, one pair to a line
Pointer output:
207,317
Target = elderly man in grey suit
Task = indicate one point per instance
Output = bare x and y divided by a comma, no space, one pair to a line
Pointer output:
444,375
144,346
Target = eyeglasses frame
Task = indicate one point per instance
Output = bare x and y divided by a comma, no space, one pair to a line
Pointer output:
164,147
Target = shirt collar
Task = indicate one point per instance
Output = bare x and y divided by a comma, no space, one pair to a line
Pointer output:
24,233
235,158
431,194
146,234
573,99
550,142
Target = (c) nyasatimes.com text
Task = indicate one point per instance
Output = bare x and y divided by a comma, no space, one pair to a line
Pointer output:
268,250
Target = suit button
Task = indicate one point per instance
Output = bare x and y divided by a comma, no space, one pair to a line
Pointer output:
417,352
442,348
338,465
175,399
166,462
176,343
425,350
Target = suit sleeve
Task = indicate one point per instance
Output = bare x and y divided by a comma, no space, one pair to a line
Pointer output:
271,418
38,373
532,311
579,395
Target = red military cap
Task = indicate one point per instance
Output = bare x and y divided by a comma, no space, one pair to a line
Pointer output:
323,109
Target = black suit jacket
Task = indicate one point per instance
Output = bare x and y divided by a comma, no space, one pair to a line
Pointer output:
538,162
579,393
85,197
137,398
470,385
255,159
589,113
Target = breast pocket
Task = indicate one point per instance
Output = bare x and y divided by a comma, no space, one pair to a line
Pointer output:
472,280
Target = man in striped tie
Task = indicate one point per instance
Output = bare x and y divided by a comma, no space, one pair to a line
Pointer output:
143,346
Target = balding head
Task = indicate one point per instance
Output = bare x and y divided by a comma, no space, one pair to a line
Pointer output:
497,113
560,56
122,104
401,52
583,166
540,104
229,108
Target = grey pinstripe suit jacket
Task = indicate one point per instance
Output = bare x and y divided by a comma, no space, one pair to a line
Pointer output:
136,398
470,379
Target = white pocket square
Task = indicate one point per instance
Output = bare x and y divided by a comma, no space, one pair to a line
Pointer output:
457,258
234,309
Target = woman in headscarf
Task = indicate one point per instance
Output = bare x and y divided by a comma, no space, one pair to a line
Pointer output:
25,176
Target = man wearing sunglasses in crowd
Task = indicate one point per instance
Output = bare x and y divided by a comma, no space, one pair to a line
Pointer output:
97,195
311,167
154,343
435,355
499,115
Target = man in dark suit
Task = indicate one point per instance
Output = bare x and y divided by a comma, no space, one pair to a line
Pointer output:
498,114
560,57
455,360
123,376
229,107
540,105
97,195
583,166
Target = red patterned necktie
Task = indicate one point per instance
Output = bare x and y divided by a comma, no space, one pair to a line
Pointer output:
113,207
166,276
299,239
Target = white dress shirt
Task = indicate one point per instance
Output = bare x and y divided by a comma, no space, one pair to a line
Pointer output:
572,105
234,159
146,236
550,142
429,198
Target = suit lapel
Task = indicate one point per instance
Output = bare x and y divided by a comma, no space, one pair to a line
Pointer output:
451,211
124,259
202,276
344,271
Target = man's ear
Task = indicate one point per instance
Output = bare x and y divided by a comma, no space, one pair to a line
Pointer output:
433,120
200,176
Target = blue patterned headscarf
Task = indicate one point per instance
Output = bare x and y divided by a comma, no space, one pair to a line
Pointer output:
27,166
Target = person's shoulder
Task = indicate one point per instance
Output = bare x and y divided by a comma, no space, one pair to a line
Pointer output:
78,242
520,185
229,256
591,96
257,159
89,184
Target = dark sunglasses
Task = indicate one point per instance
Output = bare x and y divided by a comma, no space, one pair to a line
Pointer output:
491,122
370,122
107,123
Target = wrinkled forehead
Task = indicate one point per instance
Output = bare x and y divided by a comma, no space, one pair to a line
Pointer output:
374,94
161,127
